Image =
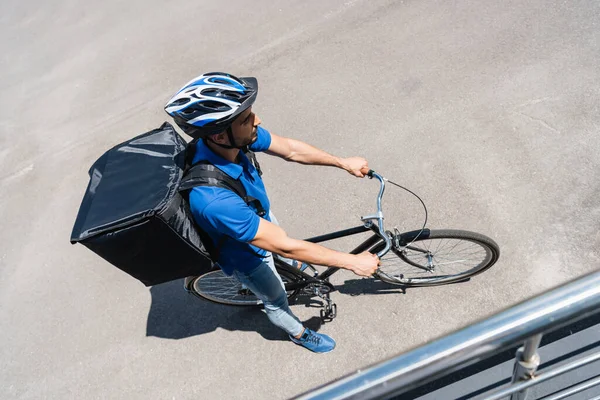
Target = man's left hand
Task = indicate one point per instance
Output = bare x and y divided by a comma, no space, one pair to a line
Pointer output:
356,166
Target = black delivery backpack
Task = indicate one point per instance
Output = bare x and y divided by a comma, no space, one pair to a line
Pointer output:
133,214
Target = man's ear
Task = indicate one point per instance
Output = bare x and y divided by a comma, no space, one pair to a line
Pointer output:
220,138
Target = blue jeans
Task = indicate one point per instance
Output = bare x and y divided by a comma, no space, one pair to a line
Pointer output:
266,284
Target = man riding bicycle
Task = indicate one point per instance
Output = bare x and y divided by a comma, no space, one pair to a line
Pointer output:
217,109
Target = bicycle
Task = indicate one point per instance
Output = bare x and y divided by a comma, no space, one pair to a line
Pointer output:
424,256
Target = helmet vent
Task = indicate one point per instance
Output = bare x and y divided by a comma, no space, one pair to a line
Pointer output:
221,81
180,102
215,105
234,95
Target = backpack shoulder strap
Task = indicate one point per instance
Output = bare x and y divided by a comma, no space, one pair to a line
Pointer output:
206,174
253,160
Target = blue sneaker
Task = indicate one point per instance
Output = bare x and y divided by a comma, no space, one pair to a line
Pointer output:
317,342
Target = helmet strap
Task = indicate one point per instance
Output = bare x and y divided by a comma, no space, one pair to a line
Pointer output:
231,138
231,141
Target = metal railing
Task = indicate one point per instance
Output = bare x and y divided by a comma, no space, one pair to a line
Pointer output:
523,323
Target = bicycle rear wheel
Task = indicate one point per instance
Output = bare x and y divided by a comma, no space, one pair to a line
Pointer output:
436,257
223,289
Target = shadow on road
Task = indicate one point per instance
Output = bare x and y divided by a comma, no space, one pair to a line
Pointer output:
175,314
357,287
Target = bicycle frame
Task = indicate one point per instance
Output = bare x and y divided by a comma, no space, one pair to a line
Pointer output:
379,242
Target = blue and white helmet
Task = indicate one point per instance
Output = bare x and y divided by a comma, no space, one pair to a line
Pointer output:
209,103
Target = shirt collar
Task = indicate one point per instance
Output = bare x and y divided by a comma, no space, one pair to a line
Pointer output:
203,152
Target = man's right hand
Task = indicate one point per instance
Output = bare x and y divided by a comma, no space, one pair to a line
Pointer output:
365,264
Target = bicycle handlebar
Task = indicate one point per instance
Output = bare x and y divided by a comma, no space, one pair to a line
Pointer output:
379,216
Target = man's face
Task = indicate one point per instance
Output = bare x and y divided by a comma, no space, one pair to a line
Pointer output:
244,128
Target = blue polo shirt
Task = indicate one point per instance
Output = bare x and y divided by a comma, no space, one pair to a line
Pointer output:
224,216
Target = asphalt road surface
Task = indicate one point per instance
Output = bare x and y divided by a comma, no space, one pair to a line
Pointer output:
488,110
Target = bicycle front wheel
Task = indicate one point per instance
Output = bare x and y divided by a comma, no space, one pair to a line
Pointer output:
224,289
436,258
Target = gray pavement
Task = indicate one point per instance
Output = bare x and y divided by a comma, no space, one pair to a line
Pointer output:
489,110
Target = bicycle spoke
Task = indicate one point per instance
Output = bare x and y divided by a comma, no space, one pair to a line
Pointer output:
435,259
217,286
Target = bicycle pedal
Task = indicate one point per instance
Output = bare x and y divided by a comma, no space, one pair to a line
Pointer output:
333,311
328,313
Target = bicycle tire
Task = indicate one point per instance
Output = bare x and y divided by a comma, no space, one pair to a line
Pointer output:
425,261
219,288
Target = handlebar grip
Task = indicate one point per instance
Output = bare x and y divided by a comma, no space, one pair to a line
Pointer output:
370,173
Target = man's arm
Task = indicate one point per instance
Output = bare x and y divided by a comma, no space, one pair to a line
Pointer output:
303,153
274,239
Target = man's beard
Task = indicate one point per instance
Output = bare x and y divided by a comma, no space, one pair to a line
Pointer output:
252,139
